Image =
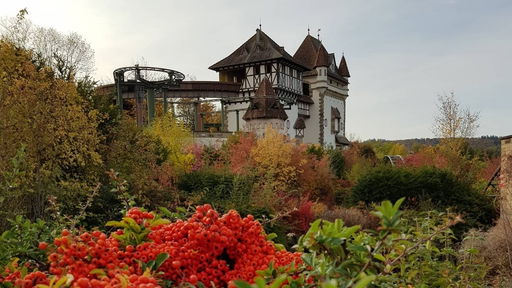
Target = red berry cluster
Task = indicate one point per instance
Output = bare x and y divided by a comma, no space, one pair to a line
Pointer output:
30,280
120,280
139,216
207,248
215,249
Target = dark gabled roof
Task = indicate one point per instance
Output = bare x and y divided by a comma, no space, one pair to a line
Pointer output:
258,48
312,54
265,104
343,70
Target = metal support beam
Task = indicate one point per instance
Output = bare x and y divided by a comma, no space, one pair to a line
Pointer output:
119,96
198,117
151,105
166,105
139,105
237,120
222,128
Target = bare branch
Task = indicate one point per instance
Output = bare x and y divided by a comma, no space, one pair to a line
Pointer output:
452,121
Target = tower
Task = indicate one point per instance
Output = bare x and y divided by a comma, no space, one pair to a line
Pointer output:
264,110
327,86
258,58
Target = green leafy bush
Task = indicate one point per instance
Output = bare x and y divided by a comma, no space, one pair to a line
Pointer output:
222,189
440,187
402,252
337,162
22,240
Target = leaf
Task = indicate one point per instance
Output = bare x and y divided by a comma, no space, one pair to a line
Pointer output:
158,222
347,232
260,282
279,247
379,256
398,203
242,284
123,281
60,282
132,224
160,259
365,281
271,236
99,272
277,283
116,224
165,211
330,284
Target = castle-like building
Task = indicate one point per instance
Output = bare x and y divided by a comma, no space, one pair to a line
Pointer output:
303,96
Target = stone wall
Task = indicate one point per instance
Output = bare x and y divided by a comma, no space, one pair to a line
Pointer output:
506,177
211,139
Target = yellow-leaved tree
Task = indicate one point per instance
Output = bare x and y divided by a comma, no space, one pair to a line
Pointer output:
48,138
277,175
175,137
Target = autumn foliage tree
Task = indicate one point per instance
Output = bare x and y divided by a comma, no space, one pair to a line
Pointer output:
45,125
68,55
175,137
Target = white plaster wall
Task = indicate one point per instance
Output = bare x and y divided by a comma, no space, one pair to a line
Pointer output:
312,131
213,141
258,126
293,113
329,136
231,115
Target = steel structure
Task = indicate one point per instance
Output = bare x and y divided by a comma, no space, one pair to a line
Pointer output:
147,84
142,81
394,160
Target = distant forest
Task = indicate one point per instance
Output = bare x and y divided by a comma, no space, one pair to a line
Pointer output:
490,145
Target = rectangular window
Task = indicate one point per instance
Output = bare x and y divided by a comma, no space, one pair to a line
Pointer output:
257,70
268,68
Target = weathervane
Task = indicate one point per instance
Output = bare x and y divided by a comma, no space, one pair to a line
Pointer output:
260,23
308,29
318,33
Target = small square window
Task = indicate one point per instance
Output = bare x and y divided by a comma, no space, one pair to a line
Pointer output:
268,68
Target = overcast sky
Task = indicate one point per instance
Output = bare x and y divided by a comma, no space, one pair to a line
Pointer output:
401,54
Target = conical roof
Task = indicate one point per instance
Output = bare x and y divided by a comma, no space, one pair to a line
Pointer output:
260,47
312,53
343,68
265,104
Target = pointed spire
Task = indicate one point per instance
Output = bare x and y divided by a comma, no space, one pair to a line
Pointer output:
265,89
265,104
343,68
322,57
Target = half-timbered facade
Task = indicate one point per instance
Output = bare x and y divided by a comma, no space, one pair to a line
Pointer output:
310,85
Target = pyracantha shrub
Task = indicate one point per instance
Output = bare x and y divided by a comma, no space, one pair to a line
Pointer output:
149,250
